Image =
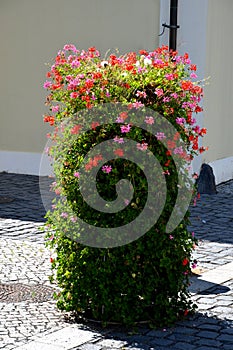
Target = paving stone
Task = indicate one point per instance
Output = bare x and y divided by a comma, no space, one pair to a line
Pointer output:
209,342
185,330
89,346
161,342
210,327
138,346
207,348
182,337
182,346
111,343
226,338
158,333
26,260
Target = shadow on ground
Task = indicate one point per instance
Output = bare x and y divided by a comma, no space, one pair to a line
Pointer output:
193,333
21,197
211,218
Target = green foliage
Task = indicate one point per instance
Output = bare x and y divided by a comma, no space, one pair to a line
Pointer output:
148,278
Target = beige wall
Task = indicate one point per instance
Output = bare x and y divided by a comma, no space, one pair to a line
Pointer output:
31,33
219,93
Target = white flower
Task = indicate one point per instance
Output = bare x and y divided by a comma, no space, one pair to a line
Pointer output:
147,61
104,64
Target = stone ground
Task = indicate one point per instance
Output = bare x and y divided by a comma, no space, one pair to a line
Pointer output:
29,319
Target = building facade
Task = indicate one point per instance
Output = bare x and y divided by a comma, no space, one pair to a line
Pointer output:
31,33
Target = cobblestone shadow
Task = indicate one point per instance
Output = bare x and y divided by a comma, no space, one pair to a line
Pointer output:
212,216
21,197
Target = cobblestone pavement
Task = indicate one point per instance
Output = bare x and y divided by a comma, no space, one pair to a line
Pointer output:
32,325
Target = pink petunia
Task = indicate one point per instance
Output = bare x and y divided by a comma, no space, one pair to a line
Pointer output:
160,136
47,84
55,109
125,128
169,76
166,99
70,47
142,146
178,150
74,94
75,64
118,139
193,75
159,92
141,94
73,218
180,121
107,169
137,105
149,120
174,95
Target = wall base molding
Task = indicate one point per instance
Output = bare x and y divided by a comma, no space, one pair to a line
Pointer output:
223,169
25,163
38,164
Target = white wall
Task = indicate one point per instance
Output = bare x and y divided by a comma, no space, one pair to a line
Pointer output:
206,34
191,38
31,33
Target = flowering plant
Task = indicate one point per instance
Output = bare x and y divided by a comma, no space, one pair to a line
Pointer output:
148,277
159,80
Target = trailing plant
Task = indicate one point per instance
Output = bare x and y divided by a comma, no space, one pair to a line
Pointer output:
150,98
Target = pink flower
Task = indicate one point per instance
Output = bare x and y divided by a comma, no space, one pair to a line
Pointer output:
64,215
73,219
107,169
55,108
178,150
149,120
180,121
47,84
70,47
137,105
76,174
171,237
142,146
75,64
118,139
174,95
160,136
193,75
74,94
169,76
166,99
159,92
141,94
125,128
119,120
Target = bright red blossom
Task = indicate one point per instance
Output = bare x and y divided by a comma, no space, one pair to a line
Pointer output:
119,152
185,262
186,85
